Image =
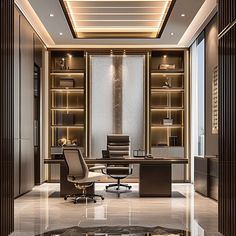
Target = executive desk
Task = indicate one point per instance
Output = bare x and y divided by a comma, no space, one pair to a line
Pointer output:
154,173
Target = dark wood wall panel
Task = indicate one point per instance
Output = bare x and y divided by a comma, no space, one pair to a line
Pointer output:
227,11
6,117
16,103
227,139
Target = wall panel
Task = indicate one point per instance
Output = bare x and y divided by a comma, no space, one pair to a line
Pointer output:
227,139
211,64
6,117
26,106
227,12
16,103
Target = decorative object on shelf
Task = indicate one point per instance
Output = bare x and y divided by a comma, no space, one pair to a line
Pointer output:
60,63
139,153
173,141
166,66
74,142
215,107
67,142
68,119
201,147
67,83
167,83
162,144
167,121
62,142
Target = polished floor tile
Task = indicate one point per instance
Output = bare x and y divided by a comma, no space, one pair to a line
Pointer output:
42,210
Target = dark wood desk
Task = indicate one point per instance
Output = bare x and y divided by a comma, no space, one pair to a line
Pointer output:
154,176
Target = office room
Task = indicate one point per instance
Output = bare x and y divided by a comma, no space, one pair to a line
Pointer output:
117,117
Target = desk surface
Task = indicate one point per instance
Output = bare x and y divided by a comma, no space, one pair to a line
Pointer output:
126,160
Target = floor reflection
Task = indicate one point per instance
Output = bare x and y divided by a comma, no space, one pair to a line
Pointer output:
116,231
43,211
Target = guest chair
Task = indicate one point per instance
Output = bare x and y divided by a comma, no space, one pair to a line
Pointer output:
80,175
118,146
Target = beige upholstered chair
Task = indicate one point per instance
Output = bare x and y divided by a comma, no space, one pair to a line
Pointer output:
80,175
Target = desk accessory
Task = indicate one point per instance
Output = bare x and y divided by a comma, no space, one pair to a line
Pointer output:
138,153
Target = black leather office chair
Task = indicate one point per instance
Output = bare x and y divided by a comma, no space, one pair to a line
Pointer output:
80,175
118,146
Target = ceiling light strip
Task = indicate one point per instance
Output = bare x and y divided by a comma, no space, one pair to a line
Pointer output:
117,14
118,20
77,24
118,0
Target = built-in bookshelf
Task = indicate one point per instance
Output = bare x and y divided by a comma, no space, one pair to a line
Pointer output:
67,99
167,102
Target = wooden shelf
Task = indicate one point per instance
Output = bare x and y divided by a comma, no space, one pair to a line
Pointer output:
67,109
65,90
170,72
168,109
167,73
67,72
167,126
169,90
167,146
68,126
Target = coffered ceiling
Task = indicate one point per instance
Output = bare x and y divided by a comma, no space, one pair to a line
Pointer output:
117,18
134,23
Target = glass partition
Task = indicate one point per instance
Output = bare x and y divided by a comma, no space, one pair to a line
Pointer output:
117,99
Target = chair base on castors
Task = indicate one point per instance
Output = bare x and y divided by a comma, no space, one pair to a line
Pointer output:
118,190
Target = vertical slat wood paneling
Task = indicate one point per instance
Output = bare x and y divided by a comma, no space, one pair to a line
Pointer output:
6,117
227,12
227,103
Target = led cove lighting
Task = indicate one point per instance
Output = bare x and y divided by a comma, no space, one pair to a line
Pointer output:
112,18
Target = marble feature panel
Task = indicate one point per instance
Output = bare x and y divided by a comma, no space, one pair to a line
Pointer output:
133,99
101,102
42,210
117,87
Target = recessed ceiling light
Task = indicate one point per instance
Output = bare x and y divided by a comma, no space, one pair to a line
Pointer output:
182,15
172,33
61,33
51,15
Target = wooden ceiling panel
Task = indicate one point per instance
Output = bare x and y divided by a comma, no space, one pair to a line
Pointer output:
122,19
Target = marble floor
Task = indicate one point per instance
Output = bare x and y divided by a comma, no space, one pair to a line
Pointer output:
42,210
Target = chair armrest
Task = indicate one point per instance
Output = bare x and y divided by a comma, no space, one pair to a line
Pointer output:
97,168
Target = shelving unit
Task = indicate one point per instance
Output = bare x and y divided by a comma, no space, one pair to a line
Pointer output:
167,105
67,98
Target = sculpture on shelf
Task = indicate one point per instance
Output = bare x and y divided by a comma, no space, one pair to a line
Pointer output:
62,142
167,83
67,142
